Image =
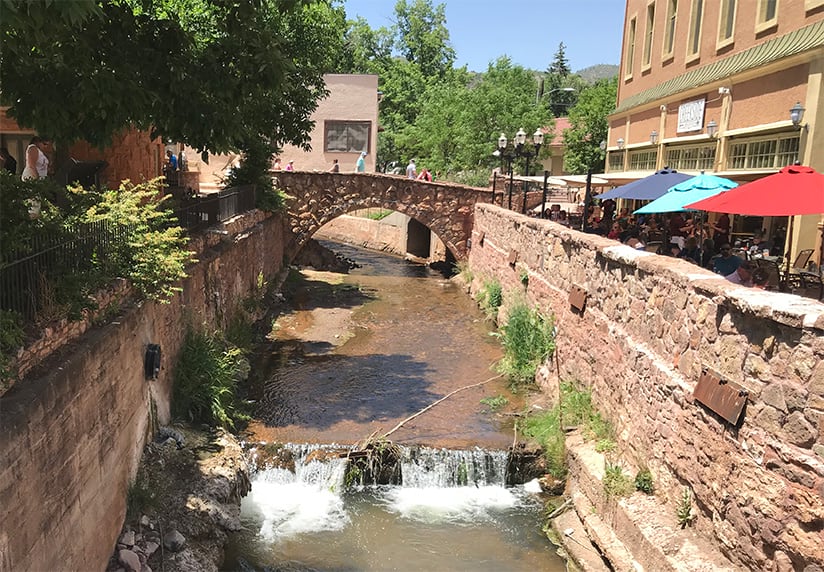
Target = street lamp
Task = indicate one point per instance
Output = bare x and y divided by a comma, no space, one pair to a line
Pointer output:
712,128
519,148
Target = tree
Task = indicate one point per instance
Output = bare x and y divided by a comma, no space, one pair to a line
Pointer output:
588,127
422,37
560,64
459,124
211,73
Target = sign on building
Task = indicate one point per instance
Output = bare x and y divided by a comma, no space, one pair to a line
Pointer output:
691,116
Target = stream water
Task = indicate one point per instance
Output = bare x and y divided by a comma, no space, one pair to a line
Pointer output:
361,353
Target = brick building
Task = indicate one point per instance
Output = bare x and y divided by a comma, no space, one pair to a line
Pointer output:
710,85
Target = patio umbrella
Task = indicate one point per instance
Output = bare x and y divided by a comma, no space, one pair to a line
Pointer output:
794,190
692,190
649,188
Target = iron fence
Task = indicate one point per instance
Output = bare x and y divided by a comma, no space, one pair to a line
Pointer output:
35,277
202,211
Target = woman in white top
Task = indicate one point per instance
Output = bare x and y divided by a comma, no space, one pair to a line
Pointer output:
37,163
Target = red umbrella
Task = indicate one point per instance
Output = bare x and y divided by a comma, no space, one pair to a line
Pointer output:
794,190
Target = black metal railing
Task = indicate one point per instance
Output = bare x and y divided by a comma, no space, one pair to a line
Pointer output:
202,211
33,278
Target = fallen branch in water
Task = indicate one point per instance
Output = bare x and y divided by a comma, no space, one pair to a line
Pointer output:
428,407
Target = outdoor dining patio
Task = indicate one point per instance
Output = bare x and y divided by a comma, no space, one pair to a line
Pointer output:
794,191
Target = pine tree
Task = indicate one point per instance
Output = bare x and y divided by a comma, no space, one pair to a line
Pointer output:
560,64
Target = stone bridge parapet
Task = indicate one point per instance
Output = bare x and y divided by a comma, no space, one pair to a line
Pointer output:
317,198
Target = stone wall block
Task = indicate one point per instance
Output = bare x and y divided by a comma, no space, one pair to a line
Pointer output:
799,431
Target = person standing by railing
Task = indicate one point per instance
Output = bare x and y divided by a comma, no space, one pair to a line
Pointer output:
37,162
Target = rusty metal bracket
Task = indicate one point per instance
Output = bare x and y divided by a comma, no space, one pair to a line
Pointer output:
513,256
722,396
578,298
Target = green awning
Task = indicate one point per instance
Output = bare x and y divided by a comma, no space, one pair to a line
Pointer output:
793,43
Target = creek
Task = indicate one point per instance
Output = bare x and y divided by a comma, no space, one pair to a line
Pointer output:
354,354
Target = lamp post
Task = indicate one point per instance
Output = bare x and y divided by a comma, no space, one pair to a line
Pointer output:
507,154
523,151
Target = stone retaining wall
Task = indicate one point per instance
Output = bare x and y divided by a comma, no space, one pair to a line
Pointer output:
650,325
71,438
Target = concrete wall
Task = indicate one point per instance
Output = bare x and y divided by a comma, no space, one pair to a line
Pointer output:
390,234
649,327
73,431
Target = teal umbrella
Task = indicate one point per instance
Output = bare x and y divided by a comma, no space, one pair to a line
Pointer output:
687,192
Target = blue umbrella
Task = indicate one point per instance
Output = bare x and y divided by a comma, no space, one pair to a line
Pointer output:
690,191
649,188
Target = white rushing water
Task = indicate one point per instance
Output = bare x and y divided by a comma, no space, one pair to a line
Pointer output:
440,486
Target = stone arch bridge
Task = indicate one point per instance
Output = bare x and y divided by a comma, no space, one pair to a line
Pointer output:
317,198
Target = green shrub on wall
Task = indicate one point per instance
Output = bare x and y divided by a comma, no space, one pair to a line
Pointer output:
528,340
153,256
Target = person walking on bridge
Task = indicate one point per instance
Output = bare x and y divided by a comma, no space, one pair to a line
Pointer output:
360,166
411,172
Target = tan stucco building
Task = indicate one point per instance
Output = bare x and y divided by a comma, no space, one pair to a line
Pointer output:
710,84
346,123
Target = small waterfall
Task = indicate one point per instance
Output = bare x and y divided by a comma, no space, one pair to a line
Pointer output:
423,467
302,488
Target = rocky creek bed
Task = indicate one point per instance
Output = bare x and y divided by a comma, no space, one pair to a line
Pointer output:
183,503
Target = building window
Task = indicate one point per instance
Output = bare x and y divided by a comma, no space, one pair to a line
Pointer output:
767,14
347,136
691,157
647,59
726,23
630,49
696,18
769,152
616,161
643,160
669,33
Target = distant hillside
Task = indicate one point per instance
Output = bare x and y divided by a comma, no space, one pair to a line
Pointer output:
599,71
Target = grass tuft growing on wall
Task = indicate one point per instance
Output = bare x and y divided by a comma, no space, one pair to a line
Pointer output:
528,340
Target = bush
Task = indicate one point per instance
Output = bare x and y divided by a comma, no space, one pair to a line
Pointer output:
490,298
206,378
616,482
546,430
528,340
643,482
152,257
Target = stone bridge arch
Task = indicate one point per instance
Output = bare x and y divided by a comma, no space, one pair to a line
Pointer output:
317,198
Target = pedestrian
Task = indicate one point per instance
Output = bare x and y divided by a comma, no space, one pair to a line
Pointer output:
360,166
411,172
290,166
171,160
183,161
9,162
276,166
335,168
37,162
425,175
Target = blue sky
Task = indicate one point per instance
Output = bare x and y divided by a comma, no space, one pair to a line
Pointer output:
528,31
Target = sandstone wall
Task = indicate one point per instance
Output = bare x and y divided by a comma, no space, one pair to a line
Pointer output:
649,327
72,435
